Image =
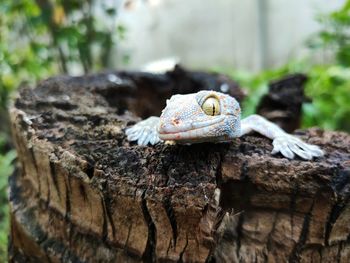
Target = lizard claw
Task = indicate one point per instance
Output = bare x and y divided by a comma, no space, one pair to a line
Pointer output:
289,146
144,132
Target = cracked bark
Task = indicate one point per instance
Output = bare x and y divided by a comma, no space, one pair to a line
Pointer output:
82,193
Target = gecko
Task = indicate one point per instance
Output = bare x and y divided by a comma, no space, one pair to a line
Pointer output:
210,116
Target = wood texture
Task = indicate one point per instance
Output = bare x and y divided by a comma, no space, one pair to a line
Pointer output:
83,193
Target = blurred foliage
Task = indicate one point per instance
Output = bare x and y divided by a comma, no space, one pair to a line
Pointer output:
41,38
328,85
329,88
6,168
257,84
335,34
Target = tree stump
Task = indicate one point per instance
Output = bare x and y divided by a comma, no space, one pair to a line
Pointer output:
283,103
83,193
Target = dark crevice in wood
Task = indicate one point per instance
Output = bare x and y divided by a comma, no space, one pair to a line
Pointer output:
82,192
210,259
219,219
54,178
70,230
90,170
48,197
36,168
293,198
339,183
126,245
68,191
183,251
335,212
171,216
149,254
107,206
218,174
292,205
169,246
105,222
244,170
320,253
239,233
340,248
236,194
294,256
166,164
269,244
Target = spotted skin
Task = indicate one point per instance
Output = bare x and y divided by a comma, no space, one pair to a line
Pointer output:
184,121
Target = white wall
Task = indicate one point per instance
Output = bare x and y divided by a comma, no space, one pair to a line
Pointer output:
218,33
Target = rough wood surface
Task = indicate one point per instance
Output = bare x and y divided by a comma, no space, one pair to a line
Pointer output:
83,193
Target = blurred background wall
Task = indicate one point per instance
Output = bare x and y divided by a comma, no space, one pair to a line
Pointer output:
250,35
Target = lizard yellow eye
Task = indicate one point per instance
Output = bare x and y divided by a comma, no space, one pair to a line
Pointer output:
211,106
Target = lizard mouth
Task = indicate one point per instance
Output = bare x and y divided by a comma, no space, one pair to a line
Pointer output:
188,130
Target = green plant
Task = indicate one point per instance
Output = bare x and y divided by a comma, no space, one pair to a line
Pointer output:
257,84
335,34
329,87
41,38
6,169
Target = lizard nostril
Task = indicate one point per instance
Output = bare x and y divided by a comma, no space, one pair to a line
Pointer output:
175,121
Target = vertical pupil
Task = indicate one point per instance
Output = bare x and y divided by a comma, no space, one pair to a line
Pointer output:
213,109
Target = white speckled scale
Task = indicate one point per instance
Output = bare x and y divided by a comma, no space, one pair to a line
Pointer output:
193,118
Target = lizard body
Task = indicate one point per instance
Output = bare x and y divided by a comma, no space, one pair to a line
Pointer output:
209,116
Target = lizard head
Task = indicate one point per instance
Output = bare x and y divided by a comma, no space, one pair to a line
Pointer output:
202,116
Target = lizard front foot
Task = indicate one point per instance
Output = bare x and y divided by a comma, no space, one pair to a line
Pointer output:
289,145
144,132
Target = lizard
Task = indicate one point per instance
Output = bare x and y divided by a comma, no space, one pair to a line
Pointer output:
210,116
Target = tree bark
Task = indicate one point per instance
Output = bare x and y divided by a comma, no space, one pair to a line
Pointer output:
283,103
83,193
